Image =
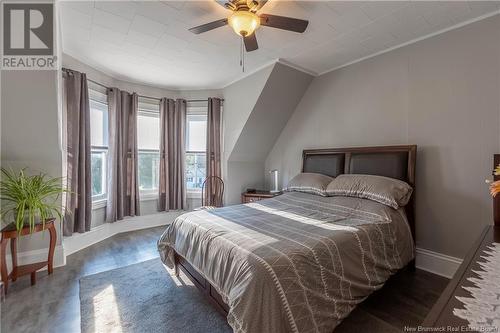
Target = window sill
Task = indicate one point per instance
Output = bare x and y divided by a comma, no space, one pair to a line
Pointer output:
99,204
148,196
193,194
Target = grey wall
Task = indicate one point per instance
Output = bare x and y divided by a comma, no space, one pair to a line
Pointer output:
256,110
441,94
30,130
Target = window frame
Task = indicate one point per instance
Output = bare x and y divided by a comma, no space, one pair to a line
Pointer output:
104,176
194,191
94,94
148,194
153,192
195,111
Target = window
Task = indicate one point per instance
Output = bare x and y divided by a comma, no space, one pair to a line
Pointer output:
148,143
196,138
98,140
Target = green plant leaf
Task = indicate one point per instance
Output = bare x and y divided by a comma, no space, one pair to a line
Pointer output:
27,199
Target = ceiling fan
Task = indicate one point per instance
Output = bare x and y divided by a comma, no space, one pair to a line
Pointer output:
245,21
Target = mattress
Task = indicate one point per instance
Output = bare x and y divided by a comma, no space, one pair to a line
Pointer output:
294,263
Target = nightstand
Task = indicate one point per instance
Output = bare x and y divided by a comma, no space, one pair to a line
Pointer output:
247,197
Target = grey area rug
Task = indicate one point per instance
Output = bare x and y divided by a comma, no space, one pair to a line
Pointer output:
145,298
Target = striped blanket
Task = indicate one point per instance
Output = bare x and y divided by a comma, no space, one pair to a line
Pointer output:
294,263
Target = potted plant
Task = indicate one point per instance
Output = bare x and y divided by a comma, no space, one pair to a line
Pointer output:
29,200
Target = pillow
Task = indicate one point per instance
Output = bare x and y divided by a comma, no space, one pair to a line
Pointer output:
388,191
314,183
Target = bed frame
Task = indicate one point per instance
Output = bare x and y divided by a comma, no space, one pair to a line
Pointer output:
390,161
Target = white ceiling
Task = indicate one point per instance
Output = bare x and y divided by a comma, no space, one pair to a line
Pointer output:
149,42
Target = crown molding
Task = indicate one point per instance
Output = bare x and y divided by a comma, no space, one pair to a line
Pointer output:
247,74
297,67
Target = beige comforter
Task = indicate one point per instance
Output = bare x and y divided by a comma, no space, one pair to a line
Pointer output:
295,263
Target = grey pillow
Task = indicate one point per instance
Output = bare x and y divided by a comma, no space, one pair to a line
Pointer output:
388,191
314,183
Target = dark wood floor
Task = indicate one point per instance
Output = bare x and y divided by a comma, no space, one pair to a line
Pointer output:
53,304
405,300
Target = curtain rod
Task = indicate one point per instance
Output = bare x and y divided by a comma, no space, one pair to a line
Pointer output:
106,87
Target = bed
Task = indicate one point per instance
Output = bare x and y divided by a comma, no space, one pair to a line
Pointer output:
298,262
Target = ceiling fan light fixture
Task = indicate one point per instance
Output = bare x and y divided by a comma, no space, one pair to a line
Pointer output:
244,23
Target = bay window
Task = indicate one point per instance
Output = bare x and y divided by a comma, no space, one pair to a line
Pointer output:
148,144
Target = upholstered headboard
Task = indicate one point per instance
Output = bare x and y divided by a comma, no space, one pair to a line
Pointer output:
389,161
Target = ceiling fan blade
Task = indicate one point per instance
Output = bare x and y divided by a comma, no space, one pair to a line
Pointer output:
283,22
209,26
251,43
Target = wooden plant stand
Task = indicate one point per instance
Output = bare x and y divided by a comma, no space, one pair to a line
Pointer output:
10,232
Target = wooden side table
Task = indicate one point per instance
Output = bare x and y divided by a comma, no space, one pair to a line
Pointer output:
247,197
10,233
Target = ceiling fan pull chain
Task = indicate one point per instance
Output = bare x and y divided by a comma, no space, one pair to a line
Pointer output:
242,55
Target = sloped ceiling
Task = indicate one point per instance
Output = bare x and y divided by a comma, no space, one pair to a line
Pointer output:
253,121
276,103
240,99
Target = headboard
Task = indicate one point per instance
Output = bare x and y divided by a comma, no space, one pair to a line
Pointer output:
389,161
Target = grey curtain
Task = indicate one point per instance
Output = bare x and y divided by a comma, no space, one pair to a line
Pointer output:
172,192
123,187
77,114
213,149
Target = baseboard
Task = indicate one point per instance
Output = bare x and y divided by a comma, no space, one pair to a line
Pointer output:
437,263
78,242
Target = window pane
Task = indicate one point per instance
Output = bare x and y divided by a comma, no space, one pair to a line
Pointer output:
148,170
148,104
196,136
98,124
148,131
195,170
98,172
